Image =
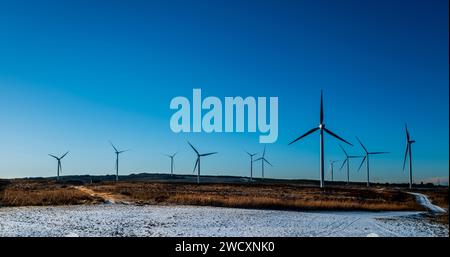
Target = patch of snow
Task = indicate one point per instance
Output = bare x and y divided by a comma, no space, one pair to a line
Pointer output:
71,234
372,235
425,202
113,220
107,201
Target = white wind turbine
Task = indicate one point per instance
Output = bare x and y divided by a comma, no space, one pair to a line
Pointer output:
59,168
171,162
251,164
408,150
321,129
263,160
366,158
117,152
197,162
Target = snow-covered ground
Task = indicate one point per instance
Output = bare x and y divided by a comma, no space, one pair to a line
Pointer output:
132,220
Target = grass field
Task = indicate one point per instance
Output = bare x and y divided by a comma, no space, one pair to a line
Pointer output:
265,196
24,192
41,193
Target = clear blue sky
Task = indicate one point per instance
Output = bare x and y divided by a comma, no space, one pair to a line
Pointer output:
75,74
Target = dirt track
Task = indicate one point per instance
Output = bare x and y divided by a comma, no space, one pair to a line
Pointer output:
107,197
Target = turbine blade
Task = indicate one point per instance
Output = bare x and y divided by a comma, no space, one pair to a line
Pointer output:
406,154
195,166
378,152
268,162
195,150
64,155
336,136
53,156
174,154
321,107
343,163
60,166
124,151
356,156
113,146
257,159
407,132
343,150
264,152
206,154
365,157
365,150
304,135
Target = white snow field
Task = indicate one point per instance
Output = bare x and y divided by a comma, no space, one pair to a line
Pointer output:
132,220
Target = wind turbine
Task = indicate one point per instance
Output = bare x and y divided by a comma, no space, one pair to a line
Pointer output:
197,162
59,168
117,159
171,162
332,169
321,129
251,164
409,143
263,160
347,160
366,157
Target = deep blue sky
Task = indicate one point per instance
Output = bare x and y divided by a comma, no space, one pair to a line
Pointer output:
75,74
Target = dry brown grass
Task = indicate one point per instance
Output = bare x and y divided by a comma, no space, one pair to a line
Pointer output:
286,204
263,196
257,196
42,193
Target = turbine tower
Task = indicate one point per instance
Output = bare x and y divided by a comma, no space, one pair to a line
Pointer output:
332,169
59,168
366,157
197,162
263,160
117,159
171,162
321,129
409,143
251,164
347,160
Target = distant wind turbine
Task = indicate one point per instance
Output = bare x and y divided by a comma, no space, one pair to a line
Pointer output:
321,128
117,159
59,168
366,158
332,169
347,160
251,164
263,160
409,143
197,162
171,162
